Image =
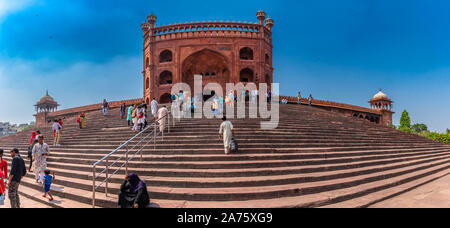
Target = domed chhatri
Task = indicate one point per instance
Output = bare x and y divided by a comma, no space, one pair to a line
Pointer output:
269,23
380,95
145,26
381,102
261,15
151,19
46,98
46,104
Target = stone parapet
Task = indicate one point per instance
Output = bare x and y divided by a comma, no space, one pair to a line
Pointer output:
43,118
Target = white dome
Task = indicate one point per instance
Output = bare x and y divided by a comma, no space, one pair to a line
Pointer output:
380,95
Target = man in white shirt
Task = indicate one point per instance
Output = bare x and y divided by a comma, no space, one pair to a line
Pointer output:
40,152
163,112
154,106
57,128
225,133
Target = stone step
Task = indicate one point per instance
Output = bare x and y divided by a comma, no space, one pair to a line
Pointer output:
266,192
241,164
35,195
249,172
251,181
150,156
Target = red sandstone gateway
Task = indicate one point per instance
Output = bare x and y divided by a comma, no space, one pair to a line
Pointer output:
222,52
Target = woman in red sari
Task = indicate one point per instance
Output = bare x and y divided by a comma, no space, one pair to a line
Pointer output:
3,172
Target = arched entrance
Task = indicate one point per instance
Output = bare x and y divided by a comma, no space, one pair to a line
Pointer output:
212,65
165,78
246,53
246,75
165,99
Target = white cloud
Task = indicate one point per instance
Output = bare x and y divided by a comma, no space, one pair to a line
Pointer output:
23,83
11,6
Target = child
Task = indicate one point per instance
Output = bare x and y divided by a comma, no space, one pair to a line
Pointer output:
47,184
3,173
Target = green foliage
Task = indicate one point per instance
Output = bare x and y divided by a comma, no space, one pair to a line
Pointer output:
418,128
405,129
421,129
445,137
405,122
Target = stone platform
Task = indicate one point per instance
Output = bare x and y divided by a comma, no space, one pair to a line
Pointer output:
315,158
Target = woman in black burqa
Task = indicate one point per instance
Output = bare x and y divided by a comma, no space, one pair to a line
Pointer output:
133,193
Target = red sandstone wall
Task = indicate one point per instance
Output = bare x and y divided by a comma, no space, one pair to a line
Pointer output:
227,43
42,118
346,109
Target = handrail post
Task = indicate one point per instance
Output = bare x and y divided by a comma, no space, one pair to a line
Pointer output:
126,161
142,136
154,137
93,187
168,122
107,176
164,126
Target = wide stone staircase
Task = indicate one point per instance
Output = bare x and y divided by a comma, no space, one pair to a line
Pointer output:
314,158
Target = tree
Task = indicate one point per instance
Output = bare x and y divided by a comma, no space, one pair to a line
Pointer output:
448,131
418,128
405,122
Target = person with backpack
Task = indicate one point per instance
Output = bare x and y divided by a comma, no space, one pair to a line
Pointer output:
226,132
18,170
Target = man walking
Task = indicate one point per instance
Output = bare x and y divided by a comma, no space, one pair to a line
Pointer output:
129,115
310,99
122,111
18,170
57,129
154,106
40,153
231,97
105,107
226,132
163,112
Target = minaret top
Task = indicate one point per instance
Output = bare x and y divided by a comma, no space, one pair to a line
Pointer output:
261,15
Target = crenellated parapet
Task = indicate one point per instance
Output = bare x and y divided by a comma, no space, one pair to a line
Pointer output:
211,30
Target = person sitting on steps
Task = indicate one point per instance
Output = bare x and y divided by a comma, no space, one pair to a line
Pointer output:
133,193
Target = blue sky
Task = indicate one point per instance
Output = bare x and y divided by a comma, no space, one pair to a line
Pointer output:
83,51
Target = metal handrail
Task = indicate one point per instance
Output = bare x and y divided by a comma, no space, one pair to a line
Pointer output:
154,133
